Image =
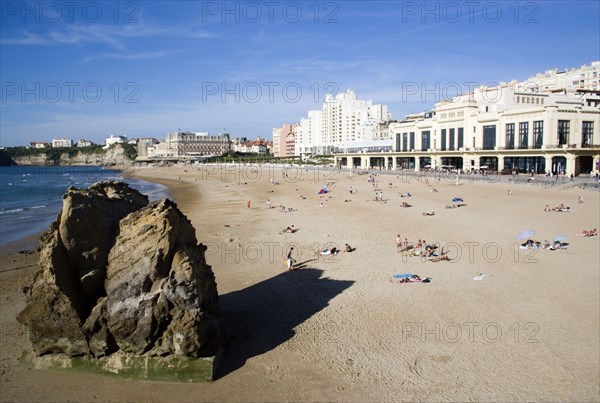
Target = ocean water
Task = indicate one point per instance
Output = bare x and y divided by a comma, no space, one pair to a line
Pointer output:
31,197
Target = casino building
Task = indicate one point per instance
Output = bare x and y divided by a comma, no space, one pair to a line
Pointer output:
504,128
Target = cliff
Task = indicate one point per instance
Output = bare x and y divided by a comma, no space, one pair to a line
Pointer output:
116,154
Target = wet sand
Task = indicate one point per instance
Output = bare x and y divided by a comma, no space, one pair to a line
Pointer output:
337,329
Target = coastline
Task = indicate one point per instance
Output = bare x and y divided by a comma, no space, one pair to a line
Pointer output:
33,194
338,329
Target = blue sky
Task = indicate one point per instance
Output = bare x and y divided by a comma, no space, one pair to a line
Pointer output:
145,68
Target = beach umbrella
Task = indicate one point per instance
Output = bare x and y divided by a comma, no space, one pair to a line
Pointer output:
528,233
560,238
457,200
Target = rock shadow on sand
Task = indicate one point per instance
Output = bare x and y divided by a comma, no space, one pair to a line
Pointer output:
264,315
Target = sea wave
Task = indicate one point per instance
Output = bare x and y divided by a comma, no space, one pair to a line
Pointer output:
9,211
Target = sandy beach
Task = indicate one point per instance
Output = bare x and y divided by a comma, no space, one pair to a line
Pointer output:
337,329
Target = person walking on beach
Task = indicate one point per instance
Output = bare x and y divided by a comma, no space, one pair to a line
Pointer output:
290,260
248,203
398,243
269,206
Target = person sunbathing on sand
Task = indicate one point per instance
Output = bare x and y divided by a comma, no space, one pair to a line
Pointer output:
332,251
428,213
556,245
443,256
531,244
410,279
405,204
291,229
592,232
560,208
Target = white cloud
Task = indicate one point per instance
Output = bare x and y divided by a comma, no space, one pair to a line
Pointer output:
133,56
110,35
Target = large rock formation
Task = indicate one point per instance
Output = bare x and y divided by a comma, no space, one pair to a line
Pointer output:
117,274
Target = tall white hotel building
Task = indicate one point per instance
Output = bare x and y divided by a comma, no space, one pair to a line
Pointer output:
342,119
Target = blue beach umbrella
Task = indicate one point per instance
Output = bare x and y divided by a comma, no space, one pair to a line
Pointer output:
457,200
528,233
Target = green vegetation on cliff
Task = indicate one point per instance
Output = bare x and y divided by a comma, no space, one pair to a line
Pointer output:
129,150
53,155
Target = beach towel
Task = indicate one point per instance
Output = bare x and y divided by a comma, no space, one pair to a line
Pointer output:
481,277
402,275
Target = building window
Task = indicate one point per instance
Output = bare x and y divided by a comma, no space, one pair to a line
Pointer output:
398,144
425,140
404,141
523,134
412,140
451,140
587,133
563,132
538,133
461,137
443,140
489,137
510,136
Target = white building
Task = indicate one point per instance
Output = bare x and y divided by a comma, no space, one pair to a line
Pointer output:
578,78
258,146
84,143
499,128
308,135
343,118
62,143
110,140
157,151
